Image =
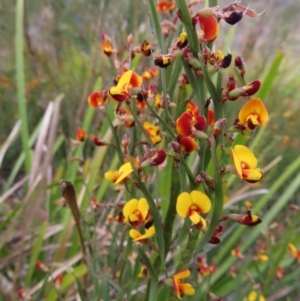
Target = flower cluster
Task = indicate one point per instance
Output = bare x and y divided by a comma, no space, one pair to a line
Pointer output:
191,136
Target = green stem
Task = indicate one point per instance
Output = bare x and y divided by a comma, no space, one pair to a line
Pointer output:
164,90
156,24
19,42
217,207
190,29
167,127
137,121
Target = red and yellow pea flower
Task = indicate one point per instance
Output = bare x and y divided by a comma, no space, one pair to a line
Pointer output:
95,204
153,158
80,135
204,268
182,288
187,144
23,295
189,125
247,90
127,81
248,219
107,47
125,116
215,238
153,132
209,26
121,176
58,280
117,218
144,272
236,252
165,6
252,114
149,73
163,61
245,164
145,48
295,253
182,40
41,266
192,205
142,238
279,273
98,99
136,212
254,296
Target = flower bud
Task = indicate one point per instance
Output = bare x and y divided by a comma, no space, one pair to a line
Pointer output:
80,134
157,159
129,40
182,41
200,135
145,48
125,142
194,62
218,127
163,61
226,61
234,17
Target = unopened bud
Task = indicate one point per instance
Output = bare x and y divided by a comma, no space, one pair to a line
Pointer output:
251,88
125,142
194,62
234,17
182,41
218,127
200,135
129,40
145,48
226,61
157,159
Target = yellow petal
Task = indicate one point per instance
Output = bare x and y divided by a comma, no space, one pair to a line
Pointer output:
201,200
149,233
124,81
254,107
252,175
124,171
129,208
186,289
237,163
134,234
253,297
111,175
195,217
143,207
292,249
181,275
244,154
184,201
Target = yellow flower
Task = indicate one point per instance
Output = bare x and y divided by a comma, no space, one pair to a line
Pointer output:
253,296
253,113
153,132
245,163
141,238
121,175
128,80
182,288
191,204
136,212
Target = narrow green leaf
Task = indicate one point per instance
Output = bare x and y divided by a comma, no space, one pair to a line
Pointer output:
35,252
217,206
68,280
19,42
